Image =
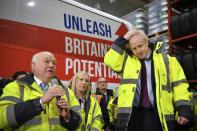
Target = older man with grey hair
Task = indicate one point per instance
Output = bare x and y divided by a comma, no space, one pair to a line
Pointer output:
30,103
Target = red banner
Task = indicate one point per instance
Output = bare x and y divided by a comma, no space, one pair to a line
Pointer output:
74,53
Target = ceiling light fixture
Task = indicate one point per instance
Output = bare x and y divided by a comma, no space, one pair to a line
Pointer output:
31,4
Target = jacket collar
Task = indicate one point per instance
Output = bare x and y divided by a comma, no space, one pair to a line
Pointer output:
153,46
108,91
29,79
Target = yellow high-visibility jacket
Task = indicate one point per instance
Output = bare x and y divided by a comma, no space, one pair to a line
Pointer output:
194,109
21,110
103,102
112,108
171,87
110,94
93,118
193,97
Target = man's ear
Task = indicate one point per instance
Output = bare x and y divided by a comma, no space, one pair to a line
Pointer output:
127,45
33,66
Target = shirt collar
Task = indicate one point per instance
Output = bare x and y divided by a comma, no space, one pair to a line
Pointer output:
38,81
148,57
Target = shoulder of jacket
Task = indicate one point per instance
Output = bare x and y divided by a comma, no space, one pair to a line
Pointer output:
13,84
110,92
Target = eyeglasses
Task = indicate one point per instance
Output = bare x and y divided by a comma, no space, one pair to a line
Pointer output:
99,82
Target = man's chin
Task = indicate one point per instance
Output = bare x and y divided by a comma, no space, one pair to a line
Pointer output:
50,76
141,57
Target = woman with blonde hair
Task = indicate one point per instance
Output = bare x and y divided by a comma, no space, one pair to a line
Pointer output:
80,84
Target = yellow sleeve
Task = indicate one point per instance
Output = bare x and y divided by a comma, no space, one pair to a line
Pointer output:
114,60
179,82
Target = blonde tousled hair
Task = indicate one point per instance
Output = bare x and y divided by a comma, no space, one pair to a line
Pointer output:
142,35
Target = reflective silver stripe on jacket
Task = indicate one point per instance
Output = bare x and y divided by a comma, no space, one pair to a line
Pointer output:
76,108
11,98
93,111
169,117
15,99
166,62
128,81
176,83
165,87
123,67
10,113
125,110
117,49
89,125
98,117
21,84
123,119
11,116
21,92
194,99
96,96
67,94
182,102
33,121
54,121
93,129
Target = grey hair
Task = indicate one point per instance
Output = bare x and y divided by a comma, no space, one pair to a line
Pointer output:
34,57
98,79
37,54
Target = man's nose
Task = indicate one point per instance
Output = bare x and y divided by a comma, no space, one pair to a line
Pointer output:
51,64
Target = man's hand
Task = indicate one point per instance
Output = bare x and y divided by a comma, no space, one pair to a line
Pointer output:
182,120
130,33
52,92
64,109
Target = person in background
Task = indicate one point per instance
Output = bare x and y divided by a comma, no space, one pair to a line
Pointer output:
19,74
80,85
193,93
152,87
112,109
101,89
103,96
3,83
194,109
31,102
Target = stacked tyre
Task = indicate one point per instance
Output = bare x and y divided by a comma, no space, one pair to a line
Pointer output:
189,65
184,24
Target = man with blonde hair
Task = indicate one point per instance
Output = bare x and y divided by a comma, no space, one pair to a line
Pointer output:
152,87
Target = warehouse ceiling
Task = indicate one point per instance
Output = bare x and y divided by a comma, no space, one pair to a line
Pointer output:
117,8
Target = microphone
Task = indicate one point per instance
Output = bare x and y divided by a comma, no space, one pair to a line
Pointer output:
53,82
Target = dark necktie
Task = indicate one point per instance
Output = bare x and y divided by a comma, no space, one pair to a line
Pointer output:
104,98
144,90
